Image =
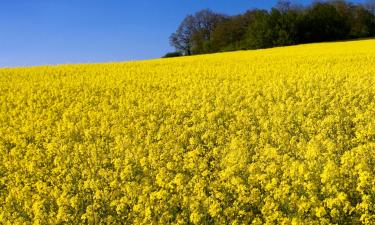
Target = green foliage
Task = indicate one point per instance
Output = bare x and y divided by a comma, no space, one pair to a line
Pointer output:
260,33
286,24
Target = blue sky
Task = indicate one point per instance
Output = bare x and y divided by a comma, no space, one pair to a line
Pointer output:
39,32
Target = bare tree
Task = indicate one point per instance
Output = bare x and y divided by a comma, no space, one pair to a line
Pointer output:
283,5
195,30
370,6
181,39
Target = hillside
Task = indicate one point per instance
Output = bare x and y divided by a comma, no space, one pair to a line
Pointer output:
275,136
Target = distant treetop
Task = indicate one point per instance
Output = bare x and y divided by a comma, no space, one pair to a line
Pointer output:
285,24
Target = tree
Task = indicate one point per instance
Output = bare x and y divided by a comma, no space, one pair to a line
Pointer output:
286,27
195,31
283,5
322,22
285,24
181,39
230,33
370,6
363,23
359,21
259,33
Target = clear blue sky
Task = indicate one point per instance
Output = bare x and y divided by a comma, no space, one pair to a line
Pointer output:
38,32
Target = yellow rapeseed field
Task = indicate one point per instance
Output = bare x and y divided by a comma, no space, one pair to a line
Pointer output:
275,136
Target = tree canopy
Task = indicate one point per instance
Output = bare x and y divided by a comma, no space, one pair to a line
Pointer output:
285,24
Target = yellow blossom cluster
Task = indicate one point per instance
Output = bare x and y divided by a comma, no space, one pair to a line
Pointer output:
275,136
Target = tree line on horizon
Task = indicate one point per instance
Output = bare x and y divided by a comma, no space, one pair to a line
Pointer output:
285,24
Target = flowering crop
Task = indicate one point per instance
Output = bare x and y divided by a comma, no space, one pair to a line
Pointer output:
277,136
